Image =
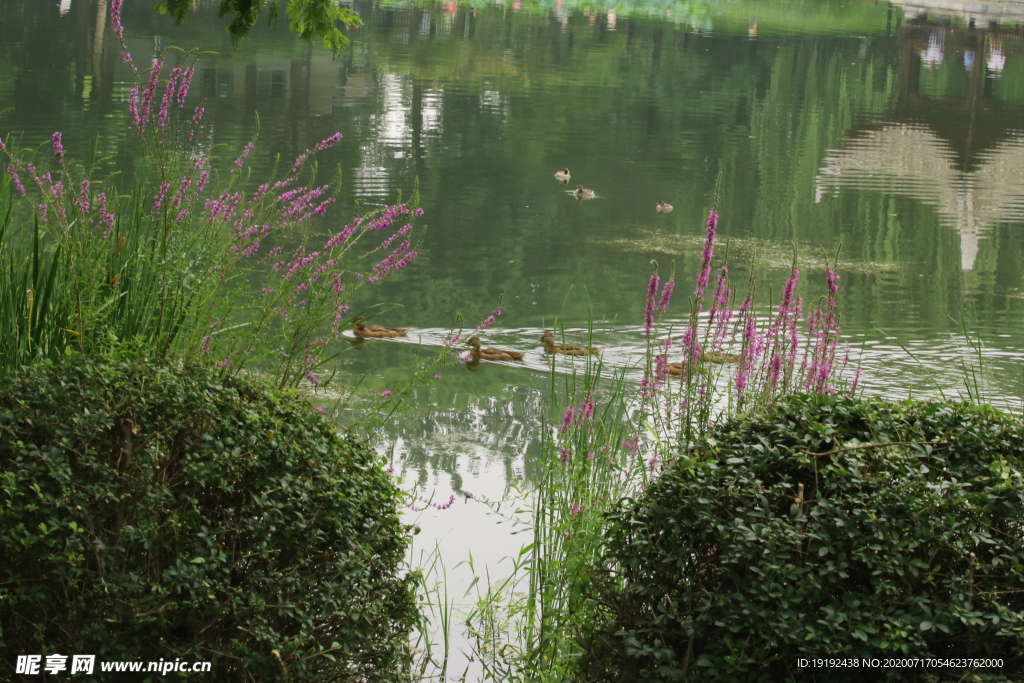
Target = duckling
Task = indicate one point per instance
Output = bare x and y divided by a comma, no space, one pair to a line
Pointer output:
719,357
568,349
676,369
563,175
378,331
663,207
492,354
583,193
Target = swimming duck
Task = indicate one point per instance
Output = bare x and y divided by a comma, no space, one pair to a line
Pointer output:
663,207
582,192
563,175
676,369
568,349
378,331
719,357
492,354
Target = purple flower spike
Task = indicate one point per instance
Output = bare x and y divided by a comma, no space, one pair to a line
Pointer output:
58,147
568,418
16,180
666,295
652,293
115,20
706,257
240,161
186,81
147,94
168,97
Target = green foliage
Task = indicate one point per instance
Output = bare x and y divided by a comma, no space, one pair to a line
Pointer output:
175,264
822,527
150,512
525,626
311,19
33,322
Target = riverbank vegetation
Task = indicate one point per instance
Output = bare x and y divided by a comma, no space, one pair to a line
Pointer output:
194,261
746,508
738,508
160,500
860,528
156,511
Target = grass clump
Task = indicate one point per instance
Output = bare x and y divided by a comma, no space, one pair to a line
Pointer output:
152,512
741,508
191,257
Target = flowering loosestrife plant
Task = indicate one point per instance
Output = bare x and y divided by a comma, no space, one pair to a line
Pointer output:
605,441
732,361
172,266
590,459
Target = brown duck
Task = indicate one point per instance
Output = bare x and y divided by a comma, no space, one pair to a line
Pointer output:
568,349
719,357
492,354
676,369
363,330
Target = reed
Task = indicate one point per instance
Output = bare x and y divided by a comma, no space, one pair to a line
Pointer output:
605,439
195,262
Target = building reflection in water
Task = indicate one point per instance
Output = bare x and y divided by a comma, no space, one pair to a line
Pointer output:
958,148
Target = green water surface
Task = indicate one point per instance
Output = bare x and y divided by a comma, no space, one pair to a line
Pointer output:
889,133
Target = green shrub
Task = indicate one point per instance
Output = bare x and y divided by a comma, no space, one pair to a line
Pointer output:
148,513
824,527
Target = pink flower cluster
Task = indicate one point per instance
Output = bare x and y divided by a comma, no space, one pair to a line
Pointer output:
770,357
176,87
326,143
578,414
115,20
58,147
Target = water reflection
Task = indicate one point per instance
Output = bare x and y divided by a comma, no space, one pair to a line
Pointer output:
913,161
477,430
973,13
945,143
905,125
908,122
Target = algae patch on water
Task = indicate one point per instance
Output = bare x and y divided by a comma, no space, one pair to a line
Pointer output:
763,253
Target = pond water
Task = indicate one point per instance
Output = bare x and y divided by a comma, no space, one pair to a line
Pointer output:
892,134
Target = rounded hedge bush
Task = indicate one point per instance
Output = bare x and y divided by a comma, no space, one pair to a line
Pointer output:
149,512
823,528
